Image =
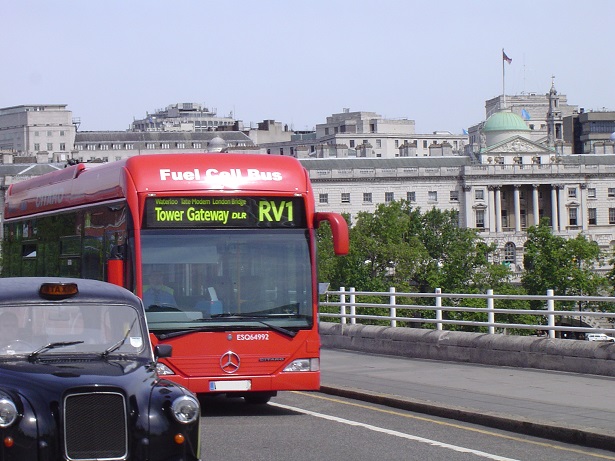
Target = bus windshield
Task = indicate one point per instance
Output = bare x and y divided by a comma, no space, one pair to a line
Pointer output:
226,278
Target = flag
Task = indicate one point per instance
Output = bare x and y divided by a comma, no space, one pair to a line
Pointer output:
506,58
465,131
525,114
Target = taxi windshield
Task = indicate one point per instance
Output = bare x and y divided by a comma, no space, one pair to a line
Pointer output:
203,278
69,328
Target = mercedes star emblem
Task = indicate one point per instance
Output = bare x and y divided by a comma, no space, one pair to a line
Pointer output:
229,362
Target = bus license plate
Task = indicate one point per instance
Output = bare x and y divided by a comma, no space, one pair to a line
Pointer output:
244,385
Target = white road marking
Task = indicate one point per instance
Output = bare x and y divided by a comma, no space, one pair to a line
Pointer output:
434,443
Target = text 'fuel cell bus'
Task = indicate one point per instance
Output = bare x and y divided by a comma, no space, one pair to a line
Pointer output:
220,247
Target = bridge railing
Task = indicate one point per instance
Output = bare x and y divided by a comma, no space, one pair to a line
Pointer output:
556,315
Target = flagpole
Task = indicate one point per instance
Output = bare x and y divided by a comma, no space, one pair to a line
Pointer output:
503,80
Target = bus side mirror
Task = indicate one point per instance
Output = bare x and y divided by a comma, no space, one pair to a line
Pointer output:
115,271
339,229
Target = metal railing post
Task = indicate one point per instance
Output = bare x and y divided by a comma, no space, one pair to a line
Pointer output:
439,311
343,306
353,307
550,316
490,313
392,309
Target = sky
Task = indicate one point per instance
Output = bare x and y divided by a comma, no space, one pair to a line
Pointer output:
297,62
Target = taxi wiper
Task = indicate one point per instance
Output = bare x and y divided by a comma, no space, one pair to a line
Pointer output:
120,342
34,354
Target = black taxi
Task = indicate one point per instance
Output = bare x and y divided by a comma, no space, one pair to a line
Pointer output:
78,377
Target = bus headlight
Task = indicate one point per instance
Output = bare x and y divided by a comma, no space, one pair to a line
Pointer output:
185,409
303,365
8,412
163,370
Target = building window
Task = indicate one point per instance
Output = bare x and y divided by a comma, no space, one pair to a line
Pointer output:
165,145
36,133
432,195
480,219
396,143
352,143
611,215
389,197
454,196
128,146
62,133
504,218
37,147
411,196
611,191
510,253
49,146
180,145
378,142
572,192
281,151
90,147
196,145
117,147
345,197
150,145
49,133
323,198
367,197
591,192
479,194
572,216
591,216
62,146
424,144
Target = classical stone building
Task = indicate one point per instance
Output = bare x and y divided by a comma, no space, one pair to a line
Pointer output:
508,186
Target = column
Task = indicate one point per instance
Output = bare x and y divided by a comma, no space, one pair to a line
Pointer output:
491,202
535,206
517,204
583,213
562,208
498,209
468,206
554,208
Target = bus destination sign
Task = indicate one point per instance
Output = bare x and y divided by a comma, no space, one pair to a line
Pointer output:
224,211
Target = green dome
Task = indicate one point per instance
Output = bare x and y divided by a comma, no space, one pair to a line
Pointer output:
505,121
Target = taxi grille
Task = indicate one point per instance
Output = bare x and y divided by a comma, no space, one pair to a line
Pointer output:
95,426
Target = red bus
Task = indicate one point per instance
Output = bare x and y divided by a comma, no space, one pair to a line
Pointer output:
220,247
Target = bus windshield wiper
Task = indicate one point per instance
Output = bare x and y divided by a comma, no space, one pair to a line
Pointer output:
255,318
258,318
33,355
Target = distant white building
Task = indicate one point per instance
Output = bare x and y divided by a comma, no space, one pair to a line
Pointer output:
41,130
367,134
183,117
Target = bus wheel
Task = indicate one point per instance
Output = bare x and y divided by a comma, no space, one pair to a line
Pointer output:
258,398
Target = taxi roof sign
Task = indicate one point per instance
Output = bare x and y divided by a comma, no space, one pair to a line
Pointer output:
58,290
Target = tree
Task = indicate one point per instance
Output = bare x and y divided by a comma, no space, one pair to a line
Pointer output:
567,266
413,251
